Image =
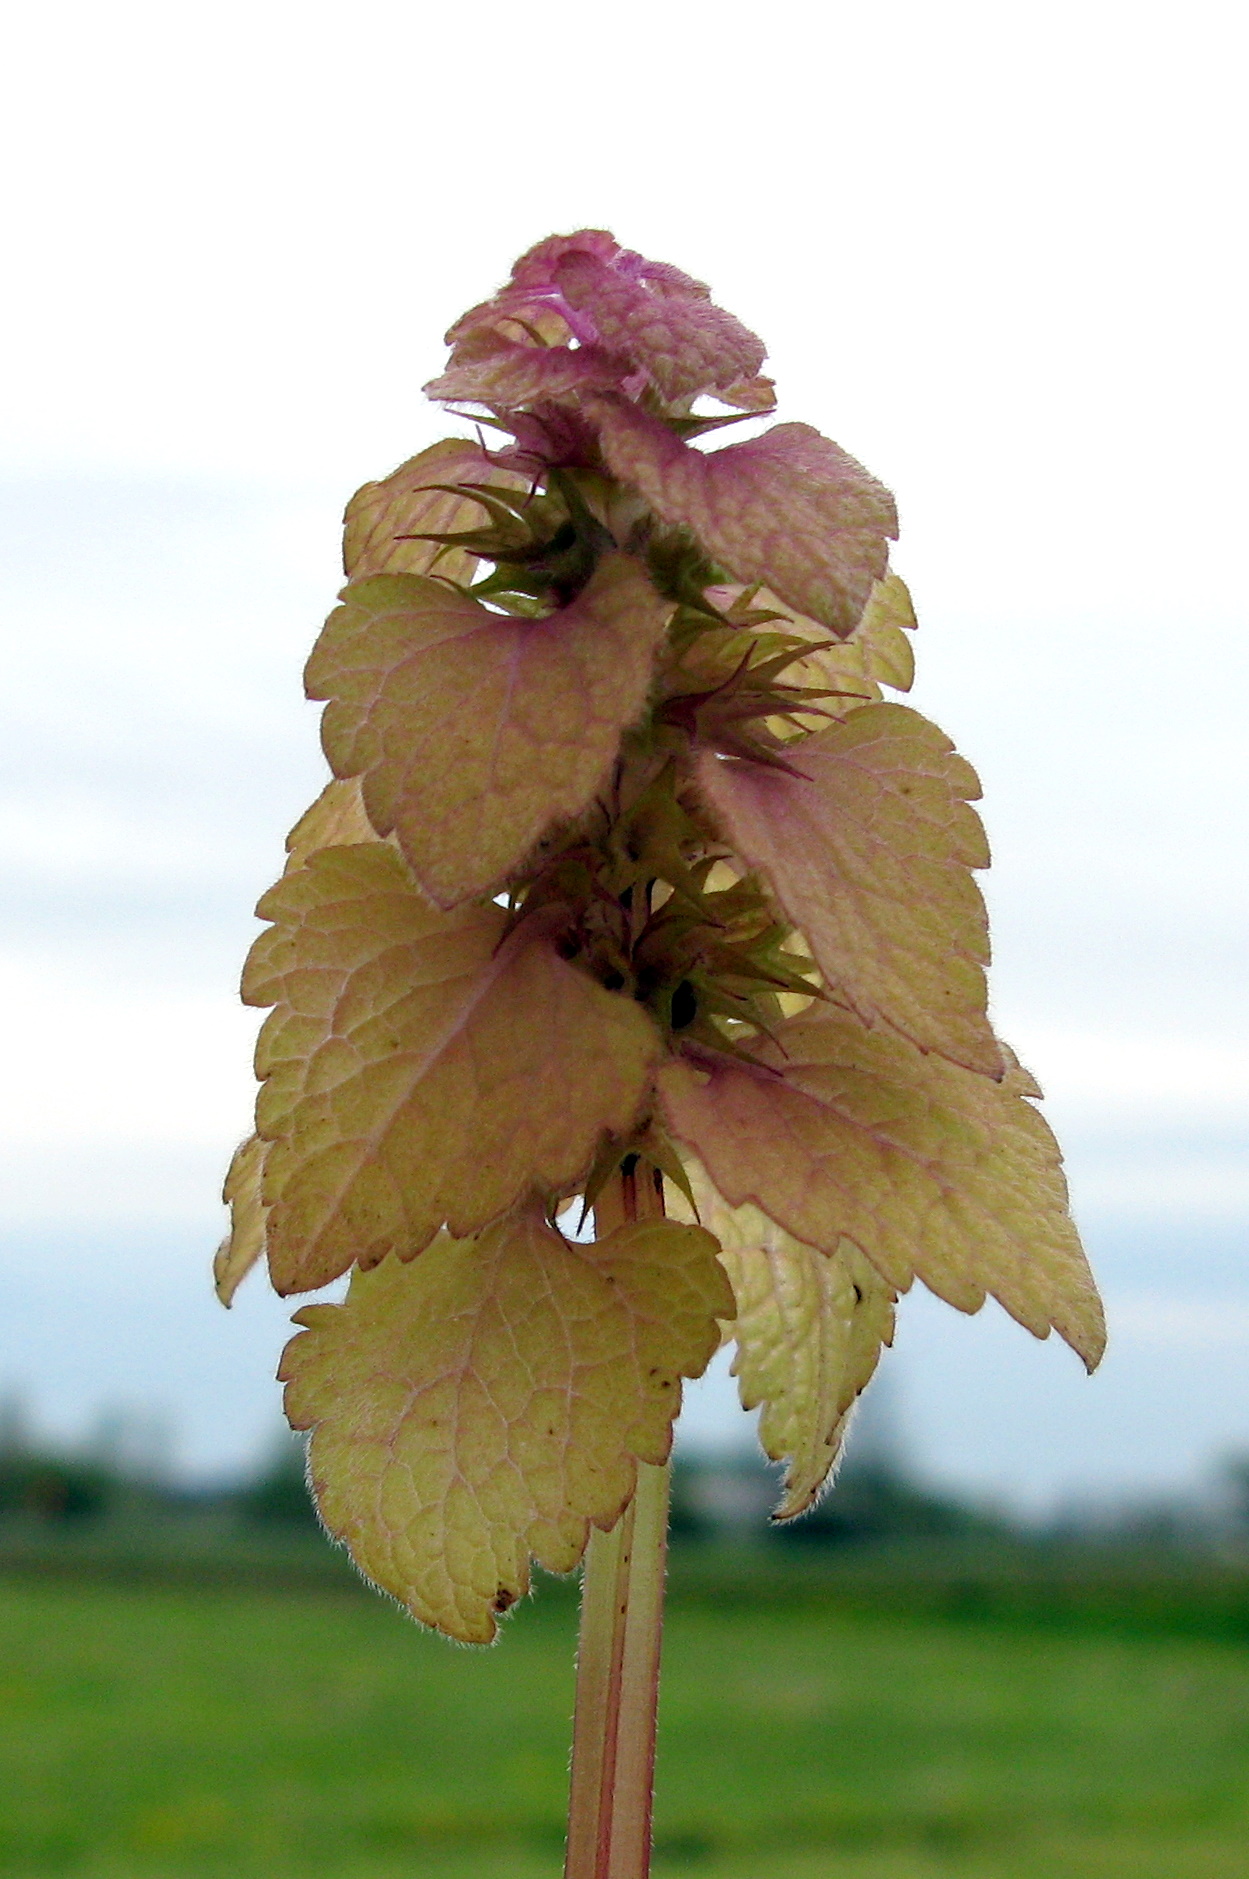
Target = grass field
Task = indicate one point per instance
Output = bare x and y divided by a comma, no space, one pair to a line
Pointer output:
166,1732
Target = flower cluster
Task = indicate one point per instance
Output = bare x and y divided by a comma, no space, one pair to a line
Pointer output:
628,863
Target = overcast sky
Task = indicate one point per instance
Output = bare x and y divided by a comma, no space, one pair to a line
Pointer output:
998,255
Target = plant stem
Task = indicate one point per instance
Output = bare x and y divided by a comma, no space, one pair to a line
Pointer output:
622,1600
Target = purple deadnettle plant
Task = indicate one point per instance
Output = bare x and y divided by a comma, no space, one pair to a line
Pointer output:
632,887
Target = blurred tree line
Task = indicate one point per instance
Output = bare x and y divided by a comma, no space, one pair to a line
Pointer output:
873,1500
119,1473
715,1497
719,1498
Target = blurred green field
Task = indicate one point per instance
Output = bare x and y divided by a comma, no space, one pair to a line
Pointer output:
169,1731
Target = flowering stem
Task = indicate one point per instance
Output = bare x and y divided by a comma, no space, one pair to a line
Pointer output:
613,1753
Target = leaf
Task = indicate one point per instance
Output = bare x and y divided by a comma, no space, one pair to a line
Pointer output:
489,368
670,327
487,1403
809,1330
790,508
245,1242
335,820
852,670
382,518
755,395
882,632
474,731
647,318
418,1069
930,1170
868,843
877,653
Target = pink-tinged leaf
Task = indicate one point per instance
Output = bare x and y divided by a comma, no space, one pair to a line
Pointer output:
487,368
868,845
670,327
419,1070
482,1407
383,519
473,731
930,1170
245,1242
809,1331
655,322
789,509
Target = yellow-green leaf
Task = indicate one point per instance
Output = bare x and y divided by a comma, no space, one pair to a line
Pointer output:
418,1069
335,820
482,1406
384,520
868,845
877,653
931,1170
883,633
809,1331
473,731
245,1242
